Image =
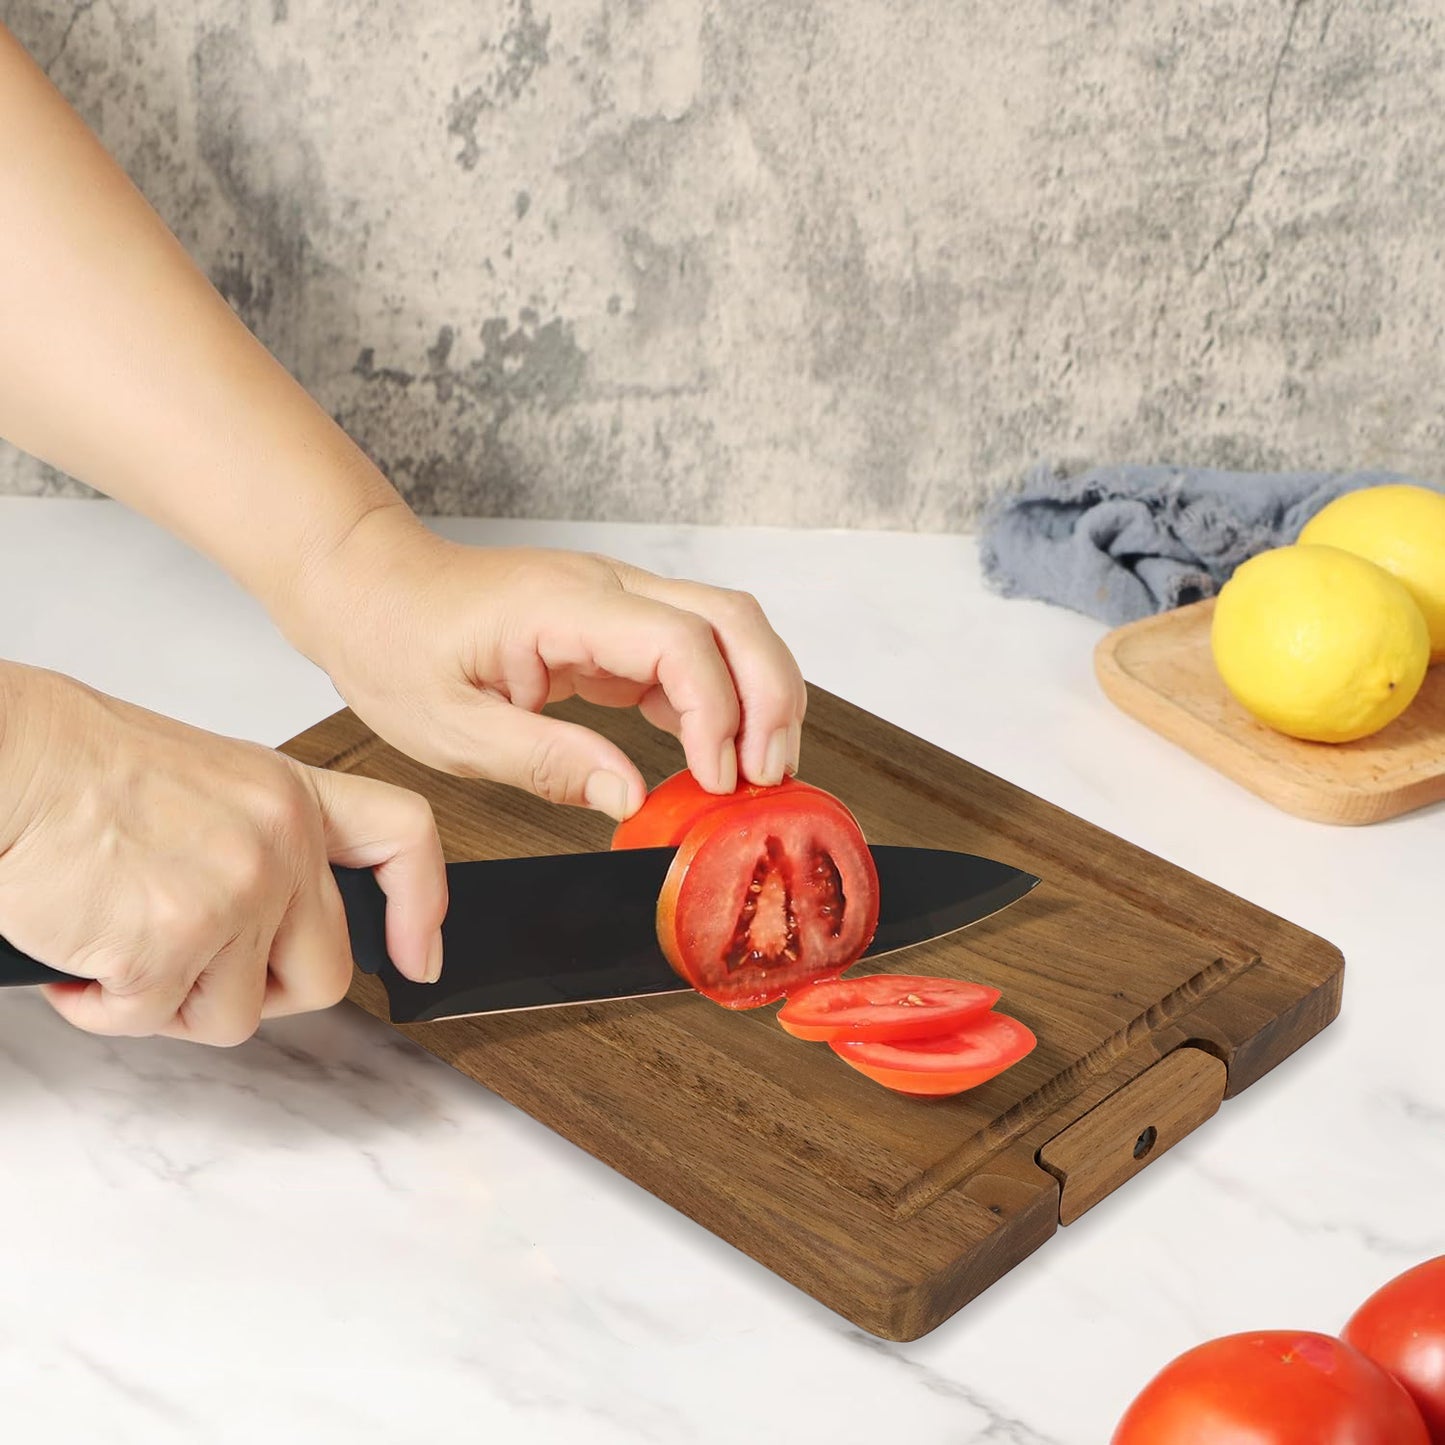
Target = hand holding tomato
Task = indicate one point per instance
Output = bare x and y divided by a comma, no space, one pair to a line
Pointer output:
450,652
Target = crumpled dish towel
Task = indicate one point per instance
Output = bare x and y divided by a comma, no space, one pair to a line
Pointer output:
1122,542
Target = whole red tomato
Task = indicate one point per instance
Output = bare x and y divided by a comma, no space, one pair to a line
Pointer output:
1402,1328
1277,1387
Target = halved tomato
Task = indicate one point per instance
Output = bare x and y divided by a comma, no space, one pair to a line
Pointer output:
676,803
777,890
887,1006
972,1054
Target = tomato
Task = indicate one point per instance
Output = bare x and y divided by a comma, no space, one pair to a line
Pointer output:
1401,1327
667,812
889,1006
1277,1387
771,887
674,805
947,1064
774,891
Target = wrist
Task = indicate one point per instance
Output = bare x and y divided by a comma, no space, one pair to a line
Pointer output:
277,536
339,571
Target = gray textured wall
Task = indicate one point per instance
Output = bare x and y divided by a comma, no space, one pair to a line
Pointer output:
763,260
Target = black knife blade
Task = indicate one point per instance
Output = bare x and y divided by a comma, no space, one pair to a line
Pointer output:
523,933
527,933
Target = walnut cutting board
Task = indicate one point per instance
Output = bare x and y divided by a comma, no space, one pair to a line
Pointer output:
1153,995
1160,671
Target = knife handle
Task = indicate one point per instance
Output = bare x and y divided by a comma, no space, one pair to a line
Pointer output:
19,969
361,896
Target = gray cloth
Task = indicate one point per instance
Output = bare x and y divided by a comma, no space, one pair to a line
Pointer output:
1119,543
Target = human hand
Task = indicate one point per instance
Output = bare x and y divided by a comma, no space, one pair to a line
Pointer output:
187,874
121,365
449,652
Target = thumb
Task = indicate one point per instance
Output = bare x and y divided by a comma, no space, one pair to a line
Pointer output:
369,824
559,761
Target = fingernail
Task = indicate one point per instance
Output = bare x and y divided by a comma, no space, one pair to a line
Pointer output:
727,768
434,959
776,757
607,793
795,746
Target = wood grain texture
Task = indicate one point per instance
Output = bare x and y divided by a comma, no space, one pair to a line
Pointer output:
892,1211
1160,671
1132,1128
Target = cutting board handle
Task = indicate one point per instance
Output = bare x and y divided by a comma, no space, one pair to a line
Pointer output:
1132,1127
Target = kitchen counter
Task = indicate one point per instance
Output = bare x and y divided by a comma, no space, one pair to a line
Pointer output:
325,1235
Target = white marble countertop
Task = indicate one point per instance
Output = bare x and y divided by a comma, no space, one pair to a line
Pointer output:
328,1236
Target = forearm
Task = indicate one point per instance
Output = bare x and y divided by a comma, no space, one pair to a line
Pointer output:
121,365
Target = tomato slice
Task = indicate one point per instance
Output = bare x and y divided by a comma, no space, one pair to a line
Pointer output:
886,1006
674,805
948,1064
777,890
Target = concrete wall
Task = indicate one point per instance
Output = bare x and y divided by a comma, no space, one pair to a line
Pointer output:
766,260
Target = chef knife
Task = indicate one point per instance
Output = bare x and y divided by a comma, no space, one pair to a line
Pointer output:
523,933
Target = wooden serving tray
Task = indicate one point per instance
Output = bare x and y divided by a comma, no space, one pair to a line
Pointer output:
1154,995
1160,670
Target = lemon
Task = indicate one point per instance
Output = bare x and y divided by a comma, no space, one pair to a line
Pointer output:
1319,643
1402,529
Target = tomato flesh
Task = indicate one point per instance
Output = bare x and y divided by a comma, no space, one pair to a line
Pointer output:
891,1007
674,805
775,891
1275,1387
973,1053
1401,1327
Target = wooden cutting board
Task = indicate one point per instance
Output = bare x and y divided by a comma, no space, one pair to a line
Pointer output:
1153,995
1160,671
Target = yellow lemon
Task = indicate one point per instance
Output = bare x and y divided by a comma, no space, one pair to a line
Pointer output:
1400,528
1319,643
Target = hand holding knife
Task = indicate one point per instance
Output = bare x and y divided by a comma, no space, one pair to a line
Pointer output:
524,933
